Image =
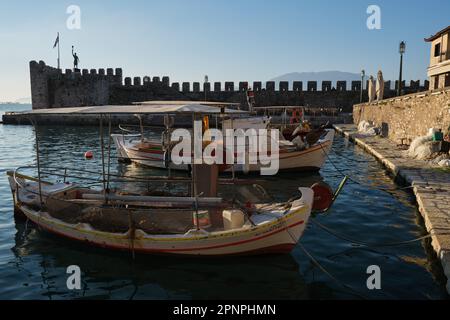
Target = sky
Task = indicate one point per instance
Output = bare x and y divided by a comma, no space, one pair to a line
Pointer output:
228,40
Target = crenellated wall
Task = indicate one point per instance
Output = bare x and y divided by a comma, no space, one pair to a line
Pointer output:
52,88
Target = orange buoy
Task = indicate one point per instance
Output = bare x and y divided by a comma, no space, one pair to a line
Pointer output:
323,196
88,155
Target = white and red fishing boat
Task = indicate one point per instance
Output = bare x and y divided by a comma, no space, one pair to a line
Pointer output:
301,151
151,153
165,225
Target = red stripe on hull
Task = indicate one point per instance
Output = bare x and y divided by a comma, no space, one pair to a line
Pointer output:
173,251
301,153
282,152
284,248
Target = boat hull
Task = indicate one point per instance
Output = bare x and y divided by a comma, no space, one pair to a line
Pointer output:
274,231
277,237
311,159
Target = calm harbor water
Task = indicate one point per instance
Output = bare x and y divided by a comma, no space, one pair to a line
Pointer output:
33,264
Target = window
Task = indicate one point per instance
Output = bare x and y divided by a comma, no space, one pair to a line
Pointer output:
447,80
436,82
437,50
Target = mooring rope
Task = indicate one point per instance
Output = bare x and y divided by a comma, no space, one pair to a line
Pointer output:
331,276
359,182
374,245
362,243
353,241
350,159
322,268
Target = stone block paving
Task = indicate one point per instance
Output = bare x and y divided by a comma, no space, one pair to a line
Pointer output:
430,184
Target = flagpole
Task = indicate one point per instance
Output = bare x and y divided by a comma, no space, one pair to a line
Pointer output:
59,67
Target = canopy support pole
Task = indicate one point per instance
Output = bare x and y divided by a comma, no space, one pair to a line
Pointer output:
233,170
193,175
141,125
103,158
109,154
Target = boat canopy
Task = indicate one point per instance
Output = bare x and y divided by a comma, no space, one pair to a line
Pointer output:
184,102
278,108
161,109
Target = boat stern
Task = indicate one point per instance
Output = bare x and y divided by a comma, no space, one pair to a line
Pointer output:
306,200
329,136
119,141
18,213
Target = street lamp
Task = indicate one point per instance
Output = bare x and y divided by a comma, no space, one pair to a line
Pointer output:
401,50
363,74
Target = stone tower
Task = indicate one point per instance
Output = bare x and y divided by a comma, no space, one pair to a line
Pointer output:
50,88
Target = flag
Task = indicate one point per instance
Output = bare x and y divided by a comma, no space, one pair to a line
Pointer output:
56,42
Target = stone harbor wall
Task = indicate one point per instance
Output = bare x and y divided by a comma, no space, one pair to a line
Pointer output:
52,88
404,118
22,118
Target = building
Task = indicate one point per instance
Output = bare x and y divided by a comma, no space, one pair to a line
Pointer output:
439,69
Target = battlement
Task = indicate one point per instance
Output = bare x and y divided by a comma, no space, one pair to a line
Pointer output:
41,67
52,87
269,86
146,81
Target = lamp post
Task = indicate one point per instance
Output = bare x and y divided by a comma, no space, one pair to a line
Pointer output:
363,74
402,50
204,86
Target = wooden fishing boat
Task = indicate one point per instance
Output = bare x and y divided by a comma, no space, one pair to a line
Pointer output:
294,154
151,153
161,225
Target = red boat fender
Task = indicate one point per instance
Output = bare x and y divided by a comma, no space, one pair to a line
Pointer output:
250,208
78,194
88,155
296,116
323,196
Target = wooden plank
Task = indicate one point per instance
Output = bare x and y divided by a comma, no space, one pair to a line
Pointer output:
186,200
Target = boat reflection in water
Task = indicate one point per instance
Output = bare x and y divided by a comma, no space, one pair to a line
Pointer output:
113,275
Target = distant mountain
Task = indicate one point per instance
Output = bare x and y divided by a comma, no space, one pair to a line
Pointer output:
23,100
18,101
332,76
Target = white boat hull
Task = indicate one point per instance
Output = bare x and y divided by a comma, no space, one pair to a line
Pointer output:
275,231
311,159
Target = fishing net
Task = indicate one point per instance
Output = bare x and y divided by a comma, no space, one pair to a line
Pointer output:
120,220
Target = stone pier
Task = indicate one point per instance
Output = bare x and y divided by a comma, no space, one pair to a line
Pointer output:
430,184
